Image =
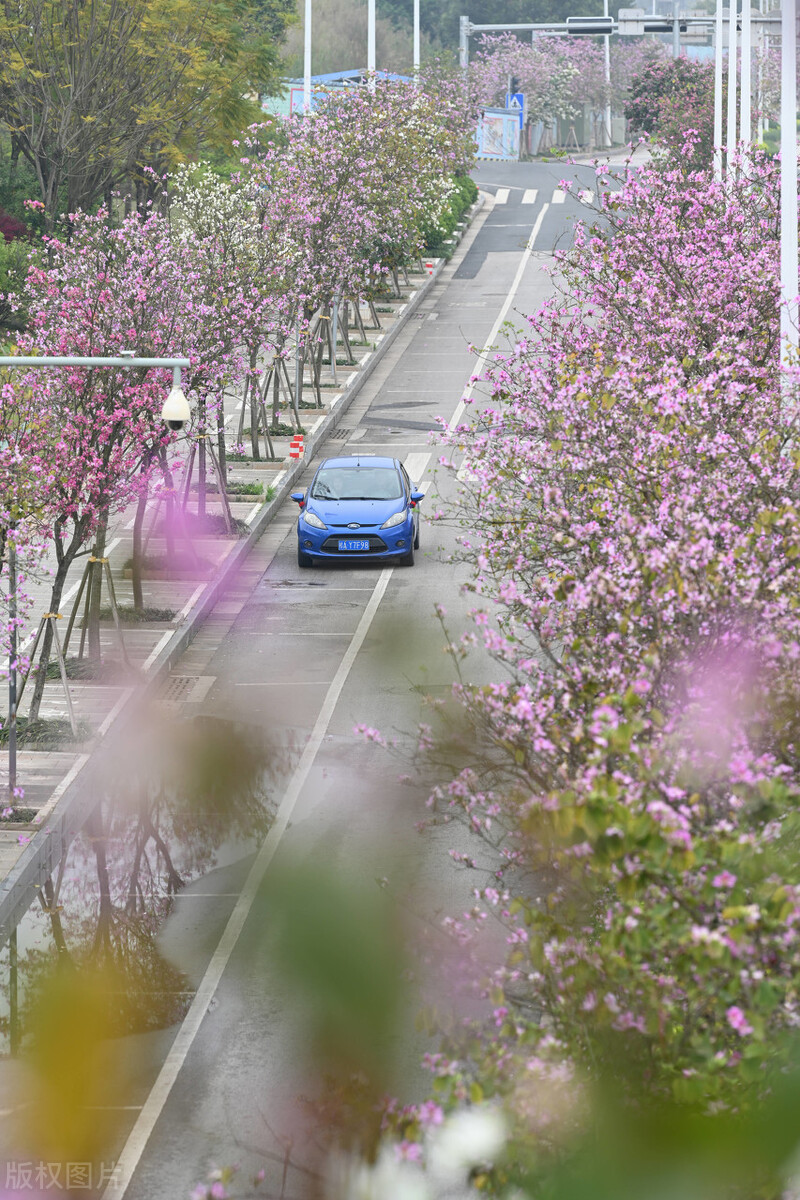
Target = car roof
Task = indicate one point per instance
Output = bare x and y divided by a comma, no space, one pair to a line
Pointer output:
354,460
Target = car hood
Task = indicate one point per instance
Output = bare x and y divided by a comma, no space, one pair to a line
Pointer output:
361,512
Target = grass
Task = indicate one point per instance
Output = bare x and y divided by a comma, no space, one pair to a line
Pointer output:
234,487
180,561
88,668
129,615
18,816
46,733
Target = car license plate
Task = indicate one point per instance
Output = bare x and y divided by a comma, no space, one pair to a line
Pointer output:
353,544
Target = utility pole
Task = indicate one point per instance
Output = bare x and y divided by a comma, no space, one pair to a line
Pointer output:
607,66
416,42
307,59
676,29
789,285
732,55
371,44
719,38
745,106
463,42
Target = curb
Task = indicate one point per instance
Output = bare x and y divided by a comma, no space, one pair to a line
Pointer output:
78,793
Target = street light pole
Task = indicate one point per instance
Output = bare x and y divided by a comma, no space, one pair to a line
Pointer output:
676,29
12,665
416,42
719,38
745,106
607,67
371,44
789,284
307,58
732,54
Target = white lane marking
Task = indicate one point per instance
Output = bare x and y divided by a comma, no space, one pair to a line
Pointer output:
501,316
146,665
415,464
190,603
137,1140
529,196
587,195
559,196
501,195
121,702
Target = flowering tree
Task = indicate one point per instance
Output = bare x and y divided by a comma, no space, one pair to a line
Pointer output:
628,508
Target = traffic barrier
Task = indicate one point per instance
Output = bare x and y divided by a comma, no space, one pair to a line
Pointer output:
429,268
296,446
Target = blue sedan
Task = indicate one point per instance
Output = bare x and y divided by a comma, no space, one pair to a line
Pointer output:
358,507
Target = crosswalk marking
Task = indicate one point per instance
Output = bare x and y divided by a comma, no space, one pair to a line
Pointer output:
558,196
501,196
529,196
587,195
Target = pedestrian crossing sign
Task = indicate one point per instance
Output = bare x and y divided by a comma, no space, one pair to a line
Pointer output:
516,100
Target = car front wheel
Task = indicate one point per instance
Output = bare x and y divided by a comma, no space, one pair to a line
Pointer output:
303,559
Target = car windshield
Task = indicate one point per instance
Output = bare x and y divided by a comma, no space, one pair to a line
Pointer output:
357,483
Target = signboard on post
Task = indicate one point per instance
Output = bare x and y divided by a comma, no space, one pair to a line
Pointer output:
516,101
630,22
587,26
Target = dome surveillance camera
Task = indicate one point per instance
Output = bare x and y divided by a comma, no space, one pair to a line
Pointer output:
176,410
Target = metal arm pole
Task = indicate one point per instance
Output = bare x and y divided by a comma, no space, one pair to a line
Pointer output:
463,42
719,37
307,57
371,44
789,284
732,73
745,108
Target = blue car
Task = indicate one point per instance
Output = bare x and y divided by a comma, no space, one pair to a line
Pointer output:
358,507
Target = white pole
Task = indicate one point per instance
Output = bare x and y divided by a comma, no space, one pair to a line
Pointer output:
416,41
745,110
307,58
371,44
760,80
719,38
789,286
607,64
732,64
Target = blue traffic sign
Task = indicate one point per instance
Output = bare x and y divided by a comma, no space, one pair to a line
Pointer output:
517,100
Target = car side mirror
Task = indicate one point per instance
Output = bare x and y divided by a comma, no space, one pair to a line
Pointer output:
417,496
299,498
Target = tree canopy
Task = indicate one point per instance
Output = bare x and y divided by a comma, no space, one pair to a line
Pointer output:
95,92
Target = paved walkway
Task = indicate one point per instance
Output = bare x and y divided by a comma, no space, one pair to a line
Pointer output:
44,774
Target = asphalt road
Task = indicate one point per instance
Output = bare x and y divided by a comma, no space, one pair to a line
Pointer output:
310,655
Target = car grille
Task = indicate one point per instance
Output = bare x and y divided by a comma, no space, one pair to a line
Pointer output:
376,545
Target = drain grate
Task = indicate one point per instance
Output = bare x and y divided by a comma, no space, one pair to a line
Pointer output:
174,692
341,435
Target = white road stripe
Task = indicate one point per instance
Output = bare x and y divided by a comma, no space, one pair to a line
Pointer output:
587,195
558,196
132,1151
501,316
529,196
501,195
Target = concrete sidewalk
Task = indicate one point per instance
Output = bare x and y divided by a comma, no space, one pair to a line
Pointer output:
56,780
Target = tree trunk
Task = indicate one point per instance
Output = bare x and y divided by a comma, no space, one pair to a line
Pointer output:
223,463
96,592
102,937
136,557
51,908
40,670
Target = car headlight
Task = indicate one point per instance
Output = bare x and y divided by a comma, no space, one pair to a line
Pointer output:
397,519
311,518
